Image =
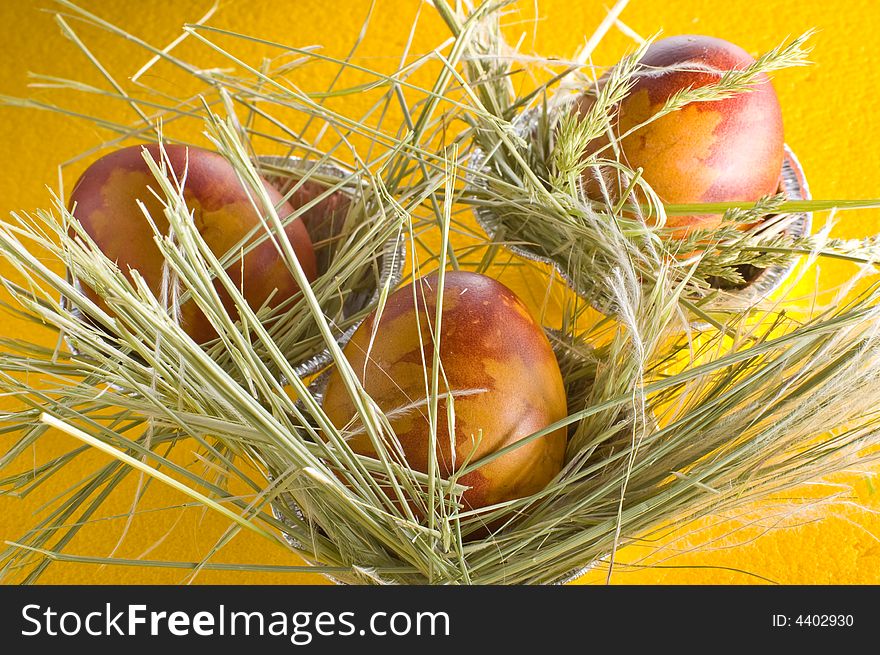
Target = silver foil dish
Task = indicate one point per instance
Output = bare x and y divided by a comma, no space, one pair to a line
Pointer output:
283,173
759,282
568,359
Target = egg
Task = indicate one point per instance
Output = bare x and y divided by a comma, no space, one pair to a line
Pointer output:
105,202
728,150
498,366
325,219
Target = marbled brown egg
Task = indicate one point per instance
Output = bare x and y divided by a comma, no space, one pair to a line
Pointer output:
105,198
728,150
497,364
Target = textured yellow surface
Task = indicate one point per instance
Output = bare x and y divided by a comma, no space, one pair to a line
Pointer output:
831,120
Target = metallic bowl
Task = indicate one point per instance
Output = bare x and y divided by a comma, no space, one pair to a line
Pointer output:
792,183
567,360
391,260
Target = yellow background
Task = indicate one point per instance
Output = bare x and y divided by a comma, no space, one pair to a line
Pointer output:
831,120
